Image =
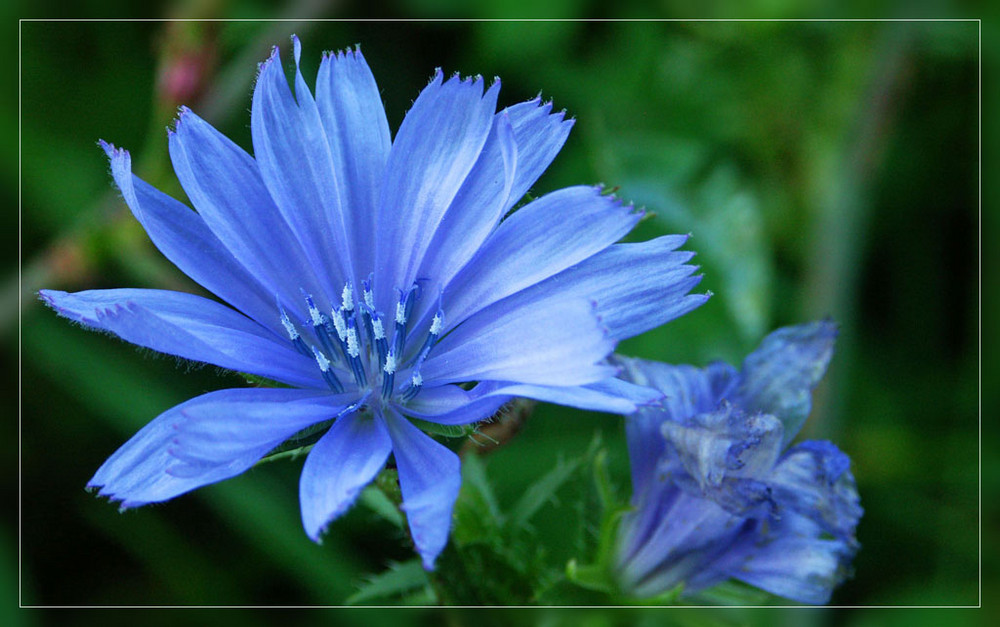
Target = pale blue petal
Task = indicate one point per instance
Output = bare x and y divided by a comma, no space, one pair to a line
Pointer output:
182,236
344,461
558,343
636,287
434,151
358,133
451,405
779,376
225,186
137,473
540,240
187,326
804,569
523,141
429,477
296,164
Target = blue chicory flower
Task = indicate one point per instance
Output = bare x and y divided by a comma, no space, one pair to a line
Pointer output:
717,494
380,280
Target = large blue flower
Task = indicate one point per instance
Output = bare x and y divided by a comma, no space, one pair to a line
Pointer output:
381,281
716,493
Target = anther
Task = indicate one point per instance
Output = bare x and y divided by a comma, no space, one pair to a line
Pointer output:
293,334
328,374
437,326
388,374
354,353
347,297
416,381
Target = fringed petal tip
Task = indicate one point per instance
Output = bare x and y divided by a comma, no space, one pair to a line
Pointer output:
339,55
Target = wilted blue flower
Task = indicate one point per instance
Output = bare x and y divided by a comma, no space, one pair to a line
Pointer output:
381,281
716,493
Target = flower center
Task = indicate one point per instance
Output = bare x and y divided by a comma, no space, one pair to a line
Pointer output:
351,343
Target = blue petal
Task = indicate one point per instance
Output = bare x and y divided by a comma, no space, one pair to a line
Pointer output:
137,473
523,141
187,326
436,146
225,186
779,376
814,480
687,390
429,477
541,239
182,236
803,569
726,455
358,133
636,287
296,164
344,461
610,395
215,432
451,405
556,343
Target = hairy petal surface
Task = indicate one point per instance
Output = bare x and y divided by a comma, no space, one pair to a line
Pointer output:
541,239
344,461
140,471
565,338
225,186
184,238
358,134
436,147
429,477
296,164
187,326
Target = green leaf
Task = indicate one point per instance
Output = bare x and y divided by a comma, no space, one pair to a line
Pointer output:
400,578
477,514
732,593
376,500
541,492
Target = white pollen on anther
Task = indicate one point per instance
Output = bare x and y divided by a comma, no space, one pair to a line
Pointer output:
369,299
324,363
339,325
400,313
285,322
347,297
314,313
377,329
390,363
416,379
437,324
353,349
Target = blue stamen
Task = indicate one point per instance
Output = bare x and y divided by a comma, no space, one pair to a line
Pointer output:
328,374
293,334
388,374
354,353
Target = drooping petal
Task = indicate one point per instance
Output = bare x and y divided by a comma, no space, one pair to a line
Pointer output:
215,432
687,391
540,240
187,326
437,145
297,167
559,343
779,376
451,405
429,477
137,473
813,478
523,141
345,460
182,236
636,287
358,133
225,186
801,568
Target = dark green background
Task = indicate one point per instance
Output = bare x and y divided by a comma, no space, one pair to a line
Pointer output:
823,168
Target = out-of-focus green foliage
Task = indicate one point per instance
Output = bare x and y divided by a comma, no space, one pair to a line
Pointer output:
822,168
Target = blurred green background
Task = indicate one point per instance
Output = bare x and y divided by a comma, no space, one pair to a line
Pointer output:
823,168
